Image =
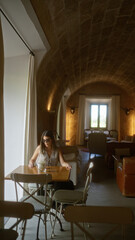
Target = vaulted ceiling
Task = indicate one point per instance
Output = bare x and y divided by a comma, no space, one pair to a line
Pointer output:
91,41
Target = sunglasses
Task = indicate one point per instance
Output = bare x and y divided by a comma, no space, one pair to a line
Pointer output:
46,140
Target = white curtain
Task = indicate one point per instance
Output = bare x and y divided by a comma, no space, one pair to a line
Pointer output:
81,120
115,113
1,121
31,114
1,124
87,114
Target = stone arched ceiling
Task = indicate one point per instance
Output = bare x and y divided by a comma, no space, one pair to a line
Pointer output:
91,40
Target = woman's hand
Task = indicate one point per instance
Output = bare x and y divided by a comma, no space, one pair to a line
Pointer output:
63,163
67,165
31,163
34,157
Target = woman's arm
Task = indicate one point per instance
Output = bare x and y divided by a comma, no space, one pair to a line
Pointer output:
34,157
62,162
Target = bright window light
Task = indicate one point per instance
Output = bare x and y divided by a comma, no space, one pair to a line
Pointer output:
98,116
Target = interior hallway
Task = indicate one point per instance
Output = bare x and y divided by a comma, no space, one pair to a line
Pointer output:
103,192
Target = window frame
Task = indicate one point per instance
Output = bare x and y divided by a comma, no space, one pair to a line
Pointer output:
99,128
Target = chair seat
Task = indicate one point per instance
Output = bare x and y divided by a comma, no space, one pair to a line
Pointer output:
38,207
68,196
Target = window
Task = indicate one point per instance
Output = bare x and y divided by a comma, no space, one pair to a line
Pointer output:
98,116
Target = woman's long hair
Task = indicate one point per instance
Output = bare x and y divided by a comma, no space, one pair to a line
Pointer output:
47,133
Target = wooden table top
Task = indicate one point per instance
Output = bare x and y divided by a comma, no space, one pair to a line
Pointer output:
58,173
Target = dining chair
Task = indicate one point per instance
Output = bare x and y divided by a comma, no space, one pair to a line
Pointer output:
19,210
8,234
73,197
114,134
42,203
97,144
116,216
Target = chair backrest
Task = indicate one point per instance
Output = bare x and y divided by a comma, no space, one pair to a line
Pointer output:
31,178
113,133
129,166
90,167
19,210
97,143
88,181
16,209
8,234
40,179
98,214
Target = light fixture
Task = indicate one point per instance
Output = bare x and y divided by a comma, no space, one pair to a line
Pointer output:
72,110
127,110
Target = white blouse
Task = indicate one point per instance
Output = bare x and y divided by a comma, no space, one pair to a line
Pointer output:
48,161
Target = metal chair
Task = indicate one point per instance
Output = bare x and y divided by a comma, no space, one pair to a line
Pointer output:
73,197
21,211
42,204
118,216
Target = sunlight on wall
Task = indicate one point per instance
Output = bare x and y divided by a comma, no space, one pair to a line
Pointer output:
130,124
50,100
68,125
71,127
133,123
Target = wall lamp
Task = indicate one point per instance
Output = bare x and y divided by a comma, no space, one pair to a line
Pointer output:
127,110
72,110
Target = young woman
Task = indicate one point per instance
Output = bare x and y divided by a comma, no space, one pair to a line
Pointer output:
47,152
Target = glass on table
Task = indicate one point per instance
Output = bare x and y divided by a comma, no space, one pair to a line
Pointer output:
41,166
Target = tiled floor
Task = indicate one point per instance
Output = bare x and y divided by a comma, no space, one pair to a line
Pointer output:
103,192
